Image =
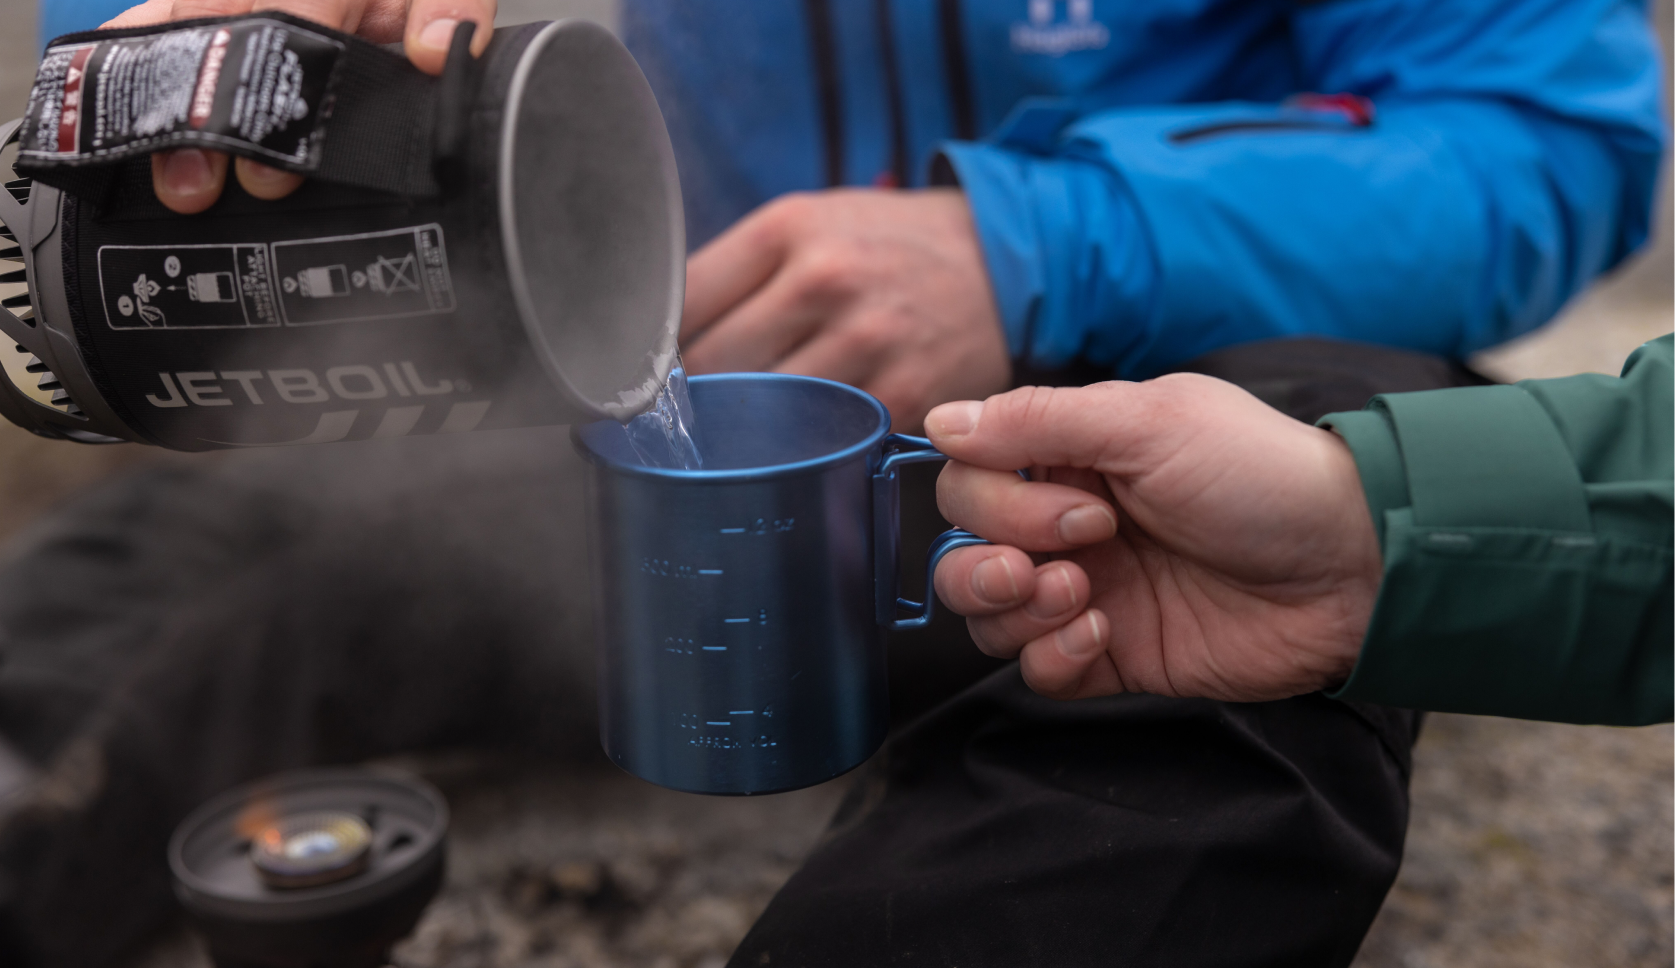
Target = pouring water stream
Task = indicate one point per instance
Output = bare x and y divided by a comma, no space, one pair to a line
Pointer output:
665,436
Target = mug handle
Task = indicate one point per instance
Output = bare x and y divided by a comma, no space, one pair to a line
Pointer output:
901,449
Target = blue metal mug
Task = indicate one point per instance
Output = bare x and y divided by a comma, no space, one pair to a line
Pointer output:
741,608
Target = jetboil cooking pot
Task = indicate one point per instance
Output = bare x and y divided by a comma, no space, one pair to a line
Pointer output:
501,246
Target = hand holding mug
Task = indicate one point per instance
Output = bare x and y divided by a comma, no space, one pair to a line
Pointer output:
1179,537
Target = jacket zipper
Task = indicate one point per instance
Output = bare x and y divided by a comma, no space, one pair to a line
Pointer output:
827,71
1206,131
957,82
899,174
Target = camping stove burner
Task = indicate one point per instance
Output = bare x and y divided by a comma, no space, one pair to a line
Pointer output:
319,868
311,848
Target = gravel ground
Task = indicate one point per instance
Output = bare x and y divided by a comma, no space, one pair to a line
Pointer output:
550,871
1532,845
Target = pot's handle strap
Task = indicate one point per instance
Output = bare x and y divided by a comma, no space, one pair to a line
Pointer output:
898,450
272,87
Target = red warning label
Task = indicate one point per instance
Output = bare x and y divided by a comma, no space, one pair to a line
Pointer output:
204,96
69,101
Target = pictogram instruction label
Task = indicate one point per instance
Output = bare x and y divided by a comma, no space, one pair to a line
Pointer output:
187,286
377,275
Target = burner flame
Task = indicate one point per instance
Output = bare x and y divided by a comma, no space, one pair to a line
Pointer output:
309,849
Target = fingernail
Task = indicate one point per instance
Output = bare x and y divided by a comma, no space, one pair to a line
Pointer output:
186,171
1058,593
994,582
1081,637
953,419
1086,524
256,171
437,34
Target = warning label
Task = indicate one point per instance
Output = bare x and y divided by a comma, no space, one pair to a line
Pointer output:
374,276
377,275
257,84
187,286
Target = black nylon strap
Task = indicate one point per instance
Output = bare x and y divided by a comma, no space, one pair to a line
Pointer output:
456,90
272,87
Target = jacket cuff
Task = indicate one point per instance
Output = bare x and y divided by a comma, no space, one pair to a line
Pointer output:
1478,504
1376,452
1065,250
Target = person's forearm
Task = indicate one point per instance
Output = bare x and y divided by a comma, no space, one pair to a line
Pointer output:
1149,237
1510,586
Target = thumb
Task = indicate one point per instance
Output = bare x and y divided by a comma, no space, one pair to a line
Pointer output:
431,28
1036,426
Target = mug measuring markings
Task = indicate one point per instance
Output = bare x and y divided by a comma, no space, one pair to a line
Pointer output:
742,607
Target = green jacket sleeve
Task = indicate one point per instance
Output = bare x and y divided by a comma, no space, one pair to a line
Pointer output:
1528,546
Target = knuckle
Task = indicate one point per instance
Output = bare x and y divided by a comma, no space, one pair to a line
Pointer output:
333,13
1043,681
826,271
949,589
383,21
1175,393
846,345
950,577
1024,406
789,212
149,12
1010,416
952,488
766,227
869,339
991,638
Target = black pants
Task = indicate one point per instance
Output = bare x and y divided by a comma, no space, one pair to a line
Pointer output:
182,630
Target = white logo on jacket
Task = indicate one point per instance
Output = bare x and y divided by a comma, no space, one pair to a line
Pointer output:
1044,34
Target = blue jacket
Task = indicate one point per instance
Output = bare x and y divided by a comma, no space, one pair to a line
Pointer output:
1144,187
